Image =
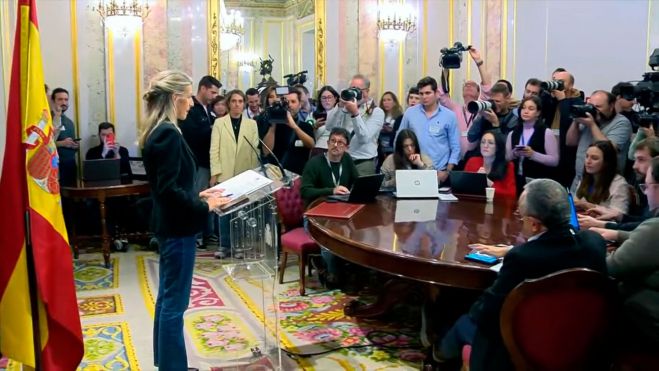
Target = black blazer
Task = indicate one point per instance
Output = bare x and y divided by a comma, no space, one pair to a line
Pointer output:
170,168
96,153
553,251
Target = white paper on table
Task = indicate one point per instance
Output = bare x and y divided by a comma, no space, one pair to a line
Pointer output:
497,267
243,184
447,197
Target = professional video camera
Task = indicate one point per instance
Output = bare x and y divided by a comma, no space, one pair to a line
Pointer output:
552,85
646,93
276,113
296,78
349,94
580,110
451,57
476,106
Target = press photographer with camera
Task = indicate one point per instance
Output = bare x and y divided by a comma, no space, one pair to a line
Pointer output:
594,122
436,128
494,115
357,113
291,139
471,91
327,99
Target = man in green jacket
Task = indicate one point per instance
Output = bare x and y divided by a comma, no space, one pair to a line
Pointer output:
331,174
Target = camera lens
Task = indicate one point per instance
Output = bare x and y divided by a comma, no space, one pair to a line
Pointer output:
477,106
552,85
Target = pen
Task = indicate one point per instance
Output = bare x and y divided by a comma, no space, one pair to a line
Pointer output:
228,195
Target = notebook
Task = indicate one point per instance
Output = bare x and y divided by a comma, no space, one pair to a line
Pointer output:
339,210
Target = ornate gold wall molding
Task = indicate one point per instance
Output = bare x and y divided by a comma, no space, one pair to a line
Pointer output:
320,41
213,20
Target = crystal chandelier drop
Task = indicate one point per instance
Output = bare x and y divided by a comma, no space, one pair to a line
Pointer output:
395,21
123,16
231,27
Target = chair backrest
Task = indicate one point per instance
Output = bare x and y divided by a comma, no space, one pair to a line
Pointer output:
290,206
559,321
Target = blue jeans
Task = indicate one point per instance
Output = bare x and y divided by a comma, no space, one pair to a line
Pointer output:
462,333
177,256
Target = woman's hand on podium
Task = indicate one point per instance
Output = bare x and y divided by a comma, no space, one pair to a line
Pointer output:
215,202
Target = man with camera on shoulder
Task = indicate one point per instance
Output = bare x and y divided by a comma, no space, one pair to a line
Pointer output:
357,113
289,137
494,115
598,121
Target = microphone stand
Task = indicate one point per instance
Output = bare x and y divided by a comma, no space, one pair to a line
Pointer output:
284,177
258,156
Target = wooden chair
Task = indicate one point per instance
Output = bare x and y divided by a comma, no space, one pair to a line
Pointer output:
294,239
560,321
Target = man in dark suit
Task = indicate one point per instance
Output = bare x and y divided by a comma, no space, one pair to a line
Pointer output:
552,246
108,148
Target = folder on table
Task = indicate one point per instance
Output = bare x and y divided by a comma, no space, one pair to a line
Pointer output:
340,210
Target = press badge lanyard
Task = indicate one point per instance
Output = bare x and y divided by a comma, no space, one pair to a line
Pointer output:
469,120
336,183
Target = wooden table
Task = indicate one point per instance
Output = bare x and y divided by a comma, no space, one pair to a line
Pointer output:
430,251
101,192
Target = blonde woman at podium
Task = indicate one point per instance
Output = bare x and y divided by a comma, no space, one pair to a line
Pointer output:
179,212
231,153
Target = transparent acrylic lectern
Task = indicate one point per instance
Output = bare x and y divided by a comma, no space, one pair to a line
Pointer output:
255,256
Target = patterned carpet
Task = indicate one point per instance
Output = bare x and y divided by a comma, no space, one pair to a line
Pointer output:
227,318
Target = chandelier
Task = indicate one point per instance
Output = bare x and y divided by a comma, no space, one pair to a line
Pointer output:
395,21
123,16
246,61
231,27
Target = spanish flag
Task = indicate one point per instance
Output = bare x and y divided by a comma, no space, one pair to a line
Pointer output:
32,214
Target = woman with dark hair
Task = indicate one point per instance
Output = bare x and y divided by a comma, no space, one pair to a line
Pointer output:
219,107
492,161
327,98
392,111
407,155
531,146
600,183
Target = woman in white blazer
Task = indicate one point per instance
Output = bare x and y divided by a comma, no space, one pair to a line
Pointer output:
230,152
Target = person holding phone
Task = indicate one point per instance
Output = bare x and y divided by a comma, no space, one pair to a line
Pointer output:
327,99
532,146
492,161
179,210
109,148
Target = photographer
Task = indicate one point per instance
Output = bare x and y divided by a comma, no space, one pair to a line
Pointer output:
471,91
362,119
499,119
606,124
291,142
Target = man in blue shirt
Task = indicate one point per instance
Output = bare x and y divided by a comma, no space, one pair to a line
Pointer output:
436,127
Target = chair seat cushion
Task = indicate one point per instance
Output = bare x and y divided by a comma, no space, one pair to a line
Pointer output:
298,240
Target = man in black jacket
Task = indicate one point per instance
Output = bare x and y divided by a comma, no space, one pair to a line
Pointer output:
196,129
552,246
556,111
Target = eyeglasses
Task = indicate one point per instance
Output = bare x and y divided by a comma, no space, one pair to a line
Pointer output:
328,98
337,143
644,186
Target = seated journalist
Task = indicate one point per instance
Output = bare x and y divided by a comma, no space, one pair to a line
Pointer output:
108,148
407,156
552,246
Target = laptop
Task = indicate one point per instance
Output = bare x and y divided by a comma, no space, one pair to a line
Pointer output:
416,210
363,191
468,183
101,170
416,184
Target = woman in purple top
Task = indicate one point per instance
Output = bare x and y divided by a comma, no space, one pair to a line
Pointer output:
531,146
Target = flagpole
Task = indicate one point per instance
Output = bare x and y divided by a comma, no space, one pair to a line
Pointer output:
34,294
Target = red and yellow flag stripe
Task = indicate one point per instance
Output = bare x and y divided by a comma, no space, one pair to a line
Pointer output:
29,186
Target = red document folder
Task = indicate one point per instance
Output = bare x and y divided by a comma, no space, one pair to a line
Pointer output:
340,210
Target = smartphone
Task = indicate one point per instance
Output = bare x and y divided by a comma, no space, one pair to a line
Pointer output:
318,115
110,139
482,258
519,148
77,139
